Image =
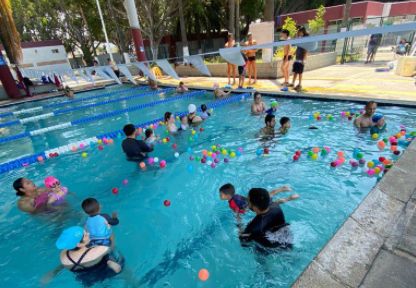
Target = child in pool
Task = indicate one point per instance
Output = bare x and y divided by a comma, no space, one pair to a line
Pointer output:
56,192
184,123
204,112
150,137
239,203
379,124
273,107
98,225
284,125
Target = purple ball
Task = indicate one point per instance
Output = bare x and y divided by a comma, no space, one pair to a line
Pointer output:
362,161
216,160
226,160
354,164
203,160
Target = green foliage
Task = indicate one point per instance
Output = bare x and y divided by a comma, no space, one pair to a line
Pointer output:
290,25
316,24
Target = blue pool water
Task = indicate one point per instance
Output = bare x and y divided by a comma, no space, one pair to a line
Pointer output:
167,246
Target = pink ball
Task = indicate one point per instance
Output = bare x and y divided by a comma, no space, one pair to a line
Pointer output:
392,139
151,161
343,114
162,164
338,162
371,172
240,149
327,149
81,146
125,182
214,156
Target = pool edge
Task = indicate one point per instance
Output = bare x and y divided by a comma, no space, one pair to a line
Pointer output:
376,226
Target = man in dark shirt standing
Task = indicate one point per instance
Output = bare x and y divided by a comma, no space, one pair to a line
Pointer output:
299,63
136,150
269,227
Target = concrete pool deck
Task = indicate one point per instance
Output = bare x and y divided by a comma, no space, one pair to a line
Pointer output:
376,246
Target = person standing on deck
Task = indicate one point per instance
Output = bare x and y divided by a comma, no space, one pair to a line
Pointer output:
251,55
231,68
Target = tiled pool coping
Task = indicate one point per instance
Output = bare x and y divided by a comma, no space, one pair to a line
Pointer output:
373,237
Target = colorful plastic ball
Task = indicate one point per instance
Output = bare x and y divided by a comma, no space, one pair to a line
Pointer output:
100,147
203,160
213,147
360,156
176,154
310,153
361,161
73,148
84,154
99,141
40,158
81,146
155,159
203,274
327,149
226,160
354,163
209,153
191,158
225,152
174,146
240,149
298,152
125,182
315,150
162,164
216,160
201,129
232,154
204,152
150,161
392,139
266,151
114,190
396,152
164,140
377,170
142,165
318,118
370,164
393,148
258,152
340,154
166,203
314,156
213,165
381,145
333,164
110,141
197,158
193,132
238,153
323,152
374,136
370,172
295,157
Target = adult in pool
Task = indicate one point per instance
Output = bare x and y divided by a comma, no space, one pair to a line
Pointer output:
366,120
269,227
193,118
270,122
32,199
170,122
258,107
79,258
135,150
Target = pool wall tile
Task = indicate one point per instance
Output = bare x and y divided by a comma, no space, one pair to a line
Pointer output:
378,212
317,277
350,253
398,183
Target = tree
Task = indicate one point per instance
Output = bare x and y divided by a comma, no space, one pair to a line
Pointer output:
346,16
316,24
268,10
290,25
183,29
231,17
157,20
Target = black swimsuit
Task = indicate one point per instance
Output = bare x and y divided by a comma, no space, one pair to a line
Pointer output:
78,263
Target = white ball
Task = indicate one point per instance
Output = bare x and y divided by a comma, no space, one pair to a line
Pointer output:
176,154
156,159
209,162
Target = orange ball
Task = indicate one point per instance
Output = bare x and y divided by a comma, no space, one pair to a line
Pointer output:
142,165
203,275
340,154
393,148
315,150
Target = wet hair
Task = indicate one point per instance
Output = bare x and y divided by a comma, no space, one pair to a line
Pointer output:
268,118
229,34
228,189
255,94
260,198
181,83
204,107
148,132
284,120
369,103
90,206
129,129
167,116
285,31
17,185
303,30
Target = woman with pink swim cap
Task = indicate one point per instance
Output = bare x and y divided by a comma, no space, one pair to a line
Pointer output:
56,192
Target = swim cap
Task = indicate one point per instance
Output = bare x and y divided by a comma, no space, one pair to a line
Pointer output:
377,117
274,104
191,108
70,238
50,181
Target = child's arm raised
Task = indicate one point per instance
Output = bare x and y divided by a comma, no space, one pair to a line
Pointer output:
279,190
290,198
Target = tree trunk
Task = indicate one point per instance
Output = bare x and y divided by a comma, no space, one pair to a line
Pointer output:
237,21
347,10
120,36
86,51
185,48
268,10
231,20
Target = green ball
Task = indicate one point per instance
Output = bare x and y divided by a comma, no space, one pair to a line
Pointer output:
360,155
323,152
310,153
413,133
385,140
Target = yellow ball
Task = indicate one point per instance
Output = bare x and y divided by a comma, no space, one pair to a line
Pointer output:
224,152
374,136
347,114
314,156
370,164
193,132
377,170
100,141
84,154
177,117
164,140
209,153
399,135
232,154
213,147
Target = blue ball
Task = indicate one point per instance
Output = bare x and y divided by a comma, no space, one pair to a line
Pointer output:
259,152
189,150
190,168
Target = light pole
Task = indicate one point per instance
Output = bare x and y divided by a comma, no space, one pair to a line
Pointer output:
135,29
107,44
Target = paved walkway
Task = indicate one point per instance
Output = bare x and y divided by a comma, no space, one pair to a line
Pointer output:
358,80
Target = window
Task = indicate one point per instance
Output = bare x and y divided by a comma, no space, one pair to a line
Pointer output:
55,51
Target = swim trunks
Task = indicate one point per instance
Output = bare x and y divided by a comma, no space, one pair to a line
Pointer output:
238,204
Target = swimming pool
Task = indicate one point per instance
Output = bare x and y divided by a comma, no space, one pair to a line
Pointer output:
166,246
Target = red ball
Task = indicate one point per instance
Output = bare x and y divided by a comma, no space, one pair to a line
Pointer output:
266,151
51,155
55,154
349,118
201,129
295,157
381,159
397,152
100,147
174,146
333,164
394,143
115,190
167,139
318,118
166,203
298,152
